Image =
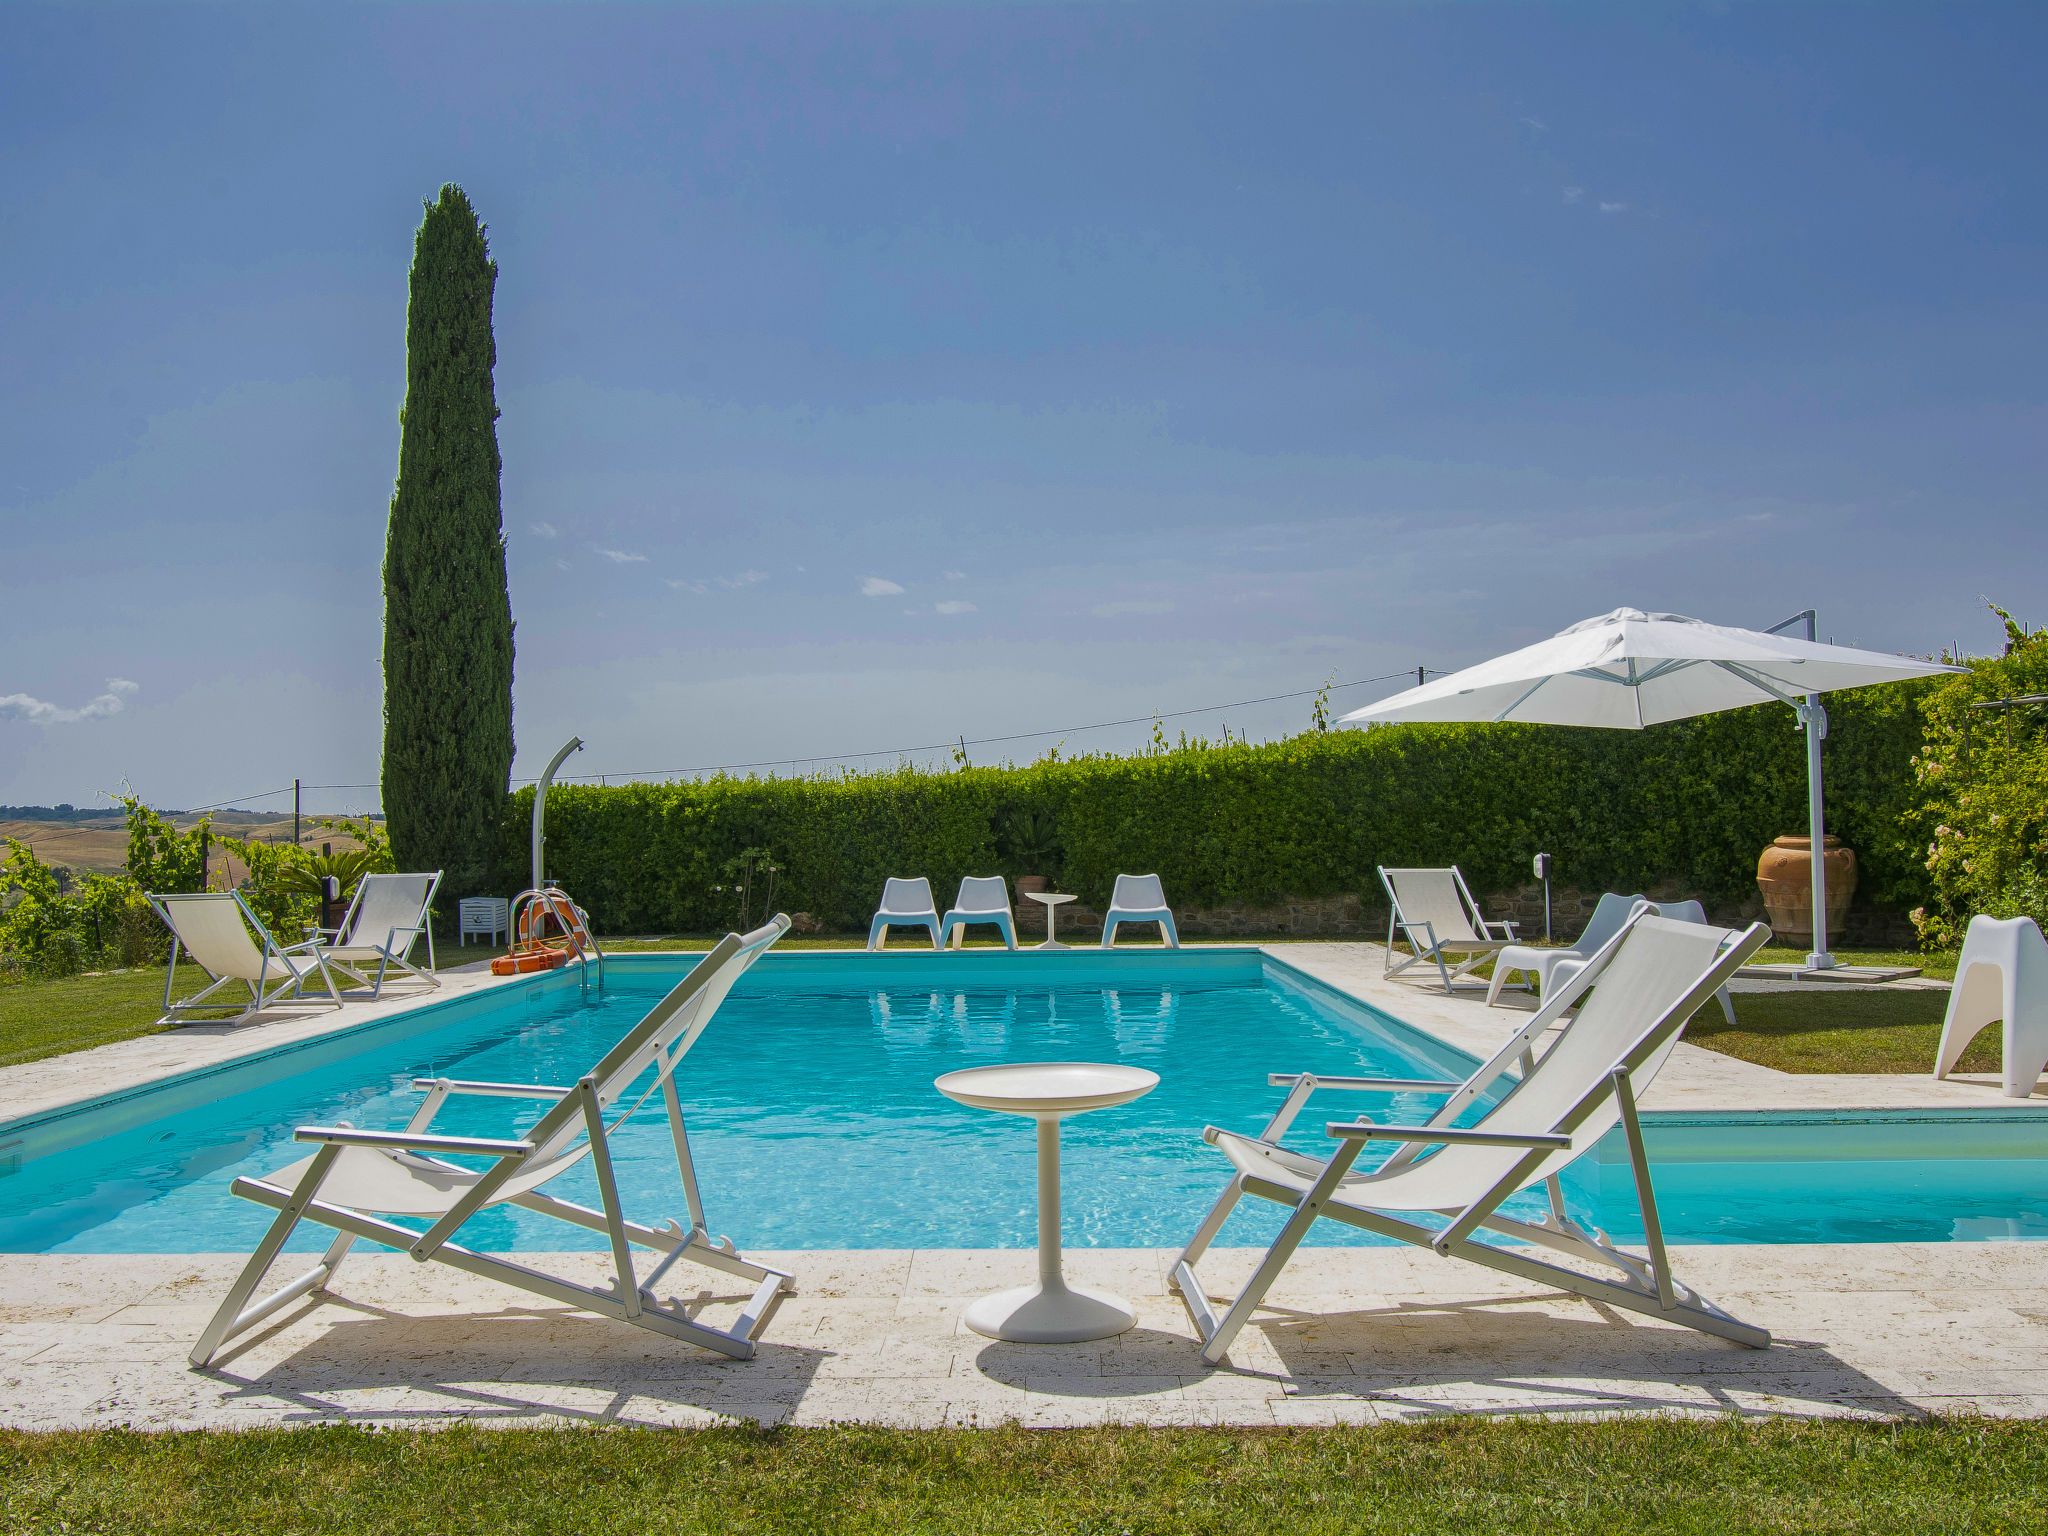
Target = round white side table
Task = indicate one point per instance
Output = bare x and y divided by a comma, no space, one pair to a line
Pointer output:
1052,905
1050,1312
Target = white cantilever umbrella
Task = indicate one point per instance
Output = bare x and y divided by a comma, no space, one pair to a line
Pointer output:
1628,669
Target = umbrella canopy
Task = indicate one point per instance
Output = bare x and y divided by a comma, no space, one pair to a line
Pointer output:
1628,669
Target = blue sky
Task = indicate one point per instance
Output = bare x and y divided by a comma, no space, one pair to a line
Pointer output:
874,376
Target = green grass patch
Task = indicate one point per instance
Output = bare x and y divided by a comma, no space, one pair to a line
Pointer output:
1821,1029
1455,1475
48,1018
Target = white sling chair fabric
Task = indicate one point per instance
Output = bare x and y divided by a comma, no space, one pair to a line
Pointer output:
982,899
2002,975
213,929
1434,911
1610,914
383,922
1651,978
905,904
1139,899
357,1177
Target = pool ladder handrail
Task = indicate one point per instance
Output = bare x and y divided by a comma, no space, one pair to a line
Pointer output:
555,901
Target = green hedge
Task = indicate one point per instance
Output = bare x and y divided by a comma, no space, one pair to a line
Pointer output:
1309,816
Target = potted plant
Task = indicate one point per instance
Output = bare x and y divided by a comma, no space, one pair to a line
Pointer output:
1029,842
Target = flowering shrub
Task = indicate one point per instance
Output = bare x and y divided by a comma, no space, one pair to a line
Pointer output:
1983,779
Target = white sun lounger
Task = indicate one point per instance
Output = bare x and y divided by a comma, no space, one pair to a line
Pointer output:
905,904
357,1178
1435,913
982,899
1610,914
1139,899
383,922
2002,974
1651,978
213,930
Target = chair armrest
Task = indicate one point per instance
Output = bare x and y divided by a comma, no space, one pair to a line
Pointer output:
1365,1084
417,1141
1507,929
299,948
1365,1130
492,1090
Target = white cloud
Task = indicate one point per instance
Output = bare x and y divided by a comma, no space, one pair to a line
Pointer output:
956,575
697,587
561,564
1114,610
21,706
744,579
621,556
1538,124
879,586
1573,194
954,606
1613,207
546,530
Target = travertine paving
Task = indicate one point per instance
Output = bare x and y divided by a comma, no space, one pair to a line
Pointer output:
1350,1335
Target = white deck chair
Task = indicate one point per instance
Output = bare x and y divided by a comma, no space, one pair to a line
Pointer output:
982,899
2002,974
1435,913
358,1177
383,922
1651,978
905,904
1139,899
213,930
1610,914
1694,912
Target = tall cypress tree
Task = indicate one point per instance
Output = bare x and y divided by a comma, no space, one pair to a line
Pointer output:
447,611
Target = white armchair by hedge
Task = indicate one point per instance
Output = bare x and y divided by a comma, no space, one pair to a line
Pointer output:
982,899
1610,916
905,904
1139,899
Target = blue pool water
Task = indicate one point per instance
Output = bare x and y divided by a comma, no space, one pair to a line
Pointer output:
815,1124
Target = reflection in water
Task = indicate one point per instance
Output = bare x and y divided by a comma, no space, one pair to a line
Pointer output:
1140,1023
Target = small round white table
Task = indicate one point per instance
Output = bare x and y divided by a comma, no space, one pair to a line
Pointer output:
1050,1312
1052,910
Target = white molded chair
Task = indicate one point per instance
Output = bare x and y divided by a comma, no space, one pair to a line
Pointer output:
1610,916
1693,912
1652,978
383,922
982,899
213,930
1139,899
905,904
1434,911
2002,975
357,1178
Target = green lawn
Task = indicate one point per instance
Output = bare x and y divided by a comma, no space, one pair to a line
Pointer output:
48,1018
1455,1475
1819,1029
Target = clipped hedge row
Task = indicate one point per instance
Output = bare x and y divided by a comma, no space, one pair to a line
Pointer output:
1308,816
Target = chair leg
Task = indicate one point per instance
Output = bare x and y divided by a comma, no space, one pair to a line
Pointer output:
1217,1345
231,1319
1169,932
1109,923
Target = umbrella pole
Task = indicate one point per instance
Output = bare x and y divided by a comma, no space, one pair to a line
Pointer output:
1815,719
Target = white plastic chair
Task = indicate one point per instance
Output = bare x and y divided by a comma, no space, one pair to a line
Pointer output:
2002,975
1434,911
1651,979
982,899
1610,915
905,904
1139,899
1678,912
357,1178
383,922
208,927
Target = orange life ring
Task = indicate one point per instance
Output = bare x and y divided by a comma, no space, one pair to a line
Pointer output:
522,961
533,922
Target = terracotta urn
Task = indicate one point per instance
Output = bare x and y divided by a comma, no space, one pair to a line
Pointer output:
1027,883
1785,876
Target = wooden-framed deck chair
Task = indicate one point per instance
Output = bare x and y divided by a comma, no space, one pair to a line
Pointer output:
1434,911
217,932
1442,1183
383,923
357,1179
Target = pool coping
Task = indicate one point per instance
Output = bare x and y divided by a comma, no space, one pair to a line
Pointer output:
1694,1081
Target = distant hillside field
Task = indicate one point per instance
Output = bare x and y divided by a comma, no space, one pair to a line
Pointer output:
100,846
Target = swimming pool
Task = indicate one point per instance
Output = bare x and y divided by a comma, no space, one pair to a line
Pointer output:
815,1124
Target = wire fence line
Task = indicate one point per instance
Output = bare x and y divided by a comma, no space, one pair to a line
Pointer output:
957,742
